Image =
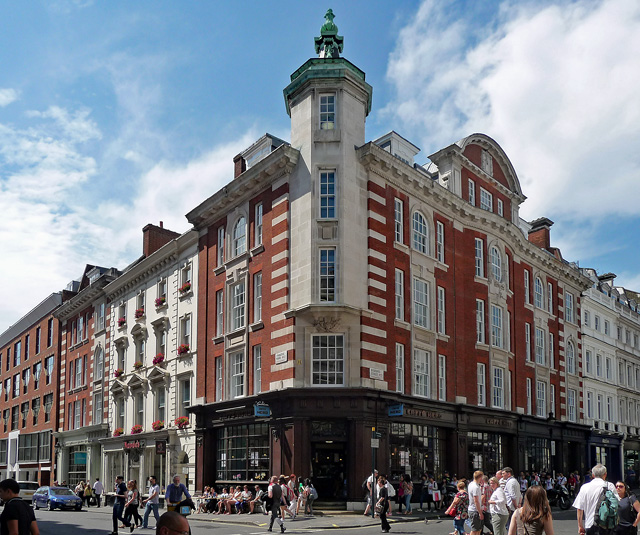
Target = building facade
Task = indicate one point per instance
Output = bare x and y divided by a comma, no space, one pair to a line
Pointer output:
29,395
152,361
348,294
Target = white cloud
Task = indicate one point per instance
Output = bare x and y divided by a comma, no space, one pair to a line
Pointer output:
7,96
556,85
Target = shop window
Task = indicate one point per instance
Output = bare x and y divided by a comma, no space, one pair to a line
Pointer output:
537,454
485,452
77,465
416,449
243,453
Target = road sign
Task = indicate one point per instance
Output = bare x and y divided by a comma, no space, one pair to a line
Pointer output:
376,434
375,442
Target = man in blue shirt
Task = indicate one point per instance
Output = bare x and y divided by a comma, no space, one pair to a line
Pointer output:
174,493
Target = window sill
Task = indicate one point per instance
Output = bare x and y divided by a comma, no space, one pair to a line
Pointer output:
185,294
99,332
401,247
256,326
218,339
162,307
401,323
443,337
482,280
483,346
218,270
77,389
257,249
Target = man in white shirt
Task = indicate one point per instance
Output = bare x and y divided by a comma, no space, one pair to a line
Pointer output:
589,498
152,502
370,486
98,490
511,491
476,516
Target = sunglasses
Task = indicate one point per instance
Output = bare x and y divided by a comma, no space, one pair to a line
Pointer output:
619,486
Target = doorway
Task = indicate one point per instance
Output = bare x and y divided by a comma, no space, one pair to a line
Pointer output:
328,470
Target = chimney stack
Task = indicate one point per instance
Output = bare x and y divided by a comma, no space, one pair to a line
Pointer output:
154,237
239,166
539,234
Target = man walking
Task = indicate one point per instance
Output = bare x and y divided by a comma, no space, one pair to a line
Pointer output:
588,500
118,504
476,515
151,502
98,490
17,517
371,488
275,495
512,492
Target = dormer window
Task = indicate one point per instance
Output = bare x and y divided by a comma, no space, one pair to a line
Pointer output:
487,162
327,112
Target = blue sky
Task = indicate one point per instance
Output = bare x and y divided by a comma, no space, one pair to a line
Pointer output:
116,114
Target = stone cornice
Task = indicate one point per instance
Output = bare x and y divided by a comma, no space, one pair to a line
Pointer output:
277,164
406,178
148,267
83,298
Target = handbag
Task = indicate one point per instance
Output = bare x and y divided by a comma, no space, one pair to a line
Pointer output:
451,511
378,508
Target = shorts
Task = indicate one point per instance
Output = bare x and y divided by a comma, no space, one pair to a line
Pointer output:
475,523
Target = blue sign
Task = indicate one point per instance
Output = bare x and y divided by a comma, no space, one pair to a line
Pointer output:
396,409
80,457
261,410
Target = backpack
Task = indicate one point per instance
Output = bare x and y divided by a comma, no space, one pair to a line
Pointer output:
313,493
607,509
391,491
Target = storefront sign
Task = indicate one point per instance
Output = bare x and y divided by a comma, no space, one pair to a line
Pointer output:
161,447
420,413
396,409
134,444
80,457
281,357
261,410
498,422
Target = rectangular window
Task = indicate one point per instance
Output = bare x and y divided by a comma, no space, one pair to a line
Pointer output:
588,362
16,385
480,330
97,408
496,326
552,399
327,112
441,310
621,372
398,220
421,303
540,351
50,332
486,200
569,309
607,369
78,372
328,275
257,297
500,208
529,396
17,353
258,217
38,339
257,369
237,306
161,403
162,293
237,374
27,338
482,386
327,359
550,297
606,327
586,318
26,377
479,258
220,252
219,379
439,242
541,399
527,341
571,405
327,195
527,287
589,405
400,368
185,396
442,378
472,192
629,374
185,331
421,367
219,314
598,365
552,357
498,388
77,414
100,315
37,371
399,294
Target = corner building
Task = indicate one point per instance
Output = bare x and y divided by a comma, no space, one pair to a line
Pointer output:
345,290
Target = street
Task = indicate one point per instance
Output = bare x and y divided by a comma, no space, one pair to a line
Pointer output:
91,522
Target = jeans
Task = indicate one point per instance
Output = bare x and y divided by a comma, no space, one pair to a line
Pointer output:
147,510
98,499
458,525
407,502
118,509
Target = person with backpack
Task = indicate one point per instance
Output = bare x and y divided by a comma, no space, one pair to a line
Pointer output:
628,509
597,504
368,485
534,517
311,495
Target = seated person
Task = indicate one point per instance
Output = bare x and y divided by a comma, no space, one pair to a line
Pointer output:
245,498
257,500
222,499
212,502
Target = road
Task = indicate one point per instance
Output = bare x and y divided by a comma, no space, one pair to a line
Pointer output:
93,523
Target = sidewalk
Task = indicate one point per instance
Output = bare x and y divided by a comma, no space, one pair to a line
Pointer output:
328,520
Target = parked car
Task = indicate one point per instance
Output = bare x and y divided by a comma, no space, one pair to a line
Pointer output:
56,497
27,489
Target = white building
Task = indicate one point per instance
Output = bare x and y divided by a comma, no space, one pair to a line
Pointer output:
152,360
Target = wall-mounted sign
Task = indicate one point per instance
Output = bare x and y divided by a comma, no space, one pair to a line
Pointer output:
161,447
396,409
131,445
261,410
375,373
281,357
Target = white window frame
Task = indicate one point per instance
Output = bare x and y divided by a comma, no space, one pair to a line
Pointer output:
219,379
550,297
442,377
100,317
239,236
258,224
479,258
569,307
420,233
160,394
589,405
98,408
238,305
185,330
588,361
540,346
481,378
527,290
220,251
527,342
327,111
184,393
480,322
571,357
472,192
541,399
421,373
552,356
421,316
237,374
322,373
486,200
496,263
498,389
257,369
257,297
327,274
398,220
219,312
529,396
608,372
497,326
99,364
500,208
399,294
440,242
441,310
538,293
400,368
327,198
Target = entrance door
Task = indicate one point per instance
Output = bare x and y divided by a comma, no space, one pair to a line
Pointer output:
328,469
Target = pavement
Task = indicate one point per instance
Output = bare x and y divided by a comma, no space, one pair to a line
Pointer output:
320,520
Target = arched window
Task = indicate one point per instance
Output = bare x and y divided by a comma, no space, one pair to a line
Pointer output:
571,358
420,233
496,264
538,293
240,236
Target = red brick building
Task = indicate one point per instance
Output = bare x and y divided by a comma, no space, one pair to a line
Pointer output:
29,374
345,290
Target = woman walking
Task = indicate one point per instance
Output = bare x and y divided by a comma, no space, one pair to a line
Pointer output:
434,492
459,509
131,505
627,504
408,492
534,517
382,505
400,494
498,508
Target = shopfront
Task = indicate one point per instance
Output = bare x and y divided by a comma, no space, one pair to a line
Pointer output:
606,448
631,460
79,454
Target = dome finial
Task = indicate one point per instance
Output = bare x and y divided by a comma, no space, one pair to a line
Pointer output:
329,44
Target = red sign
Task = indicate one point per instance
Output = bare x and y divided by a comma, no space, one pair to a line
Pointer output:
131,445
